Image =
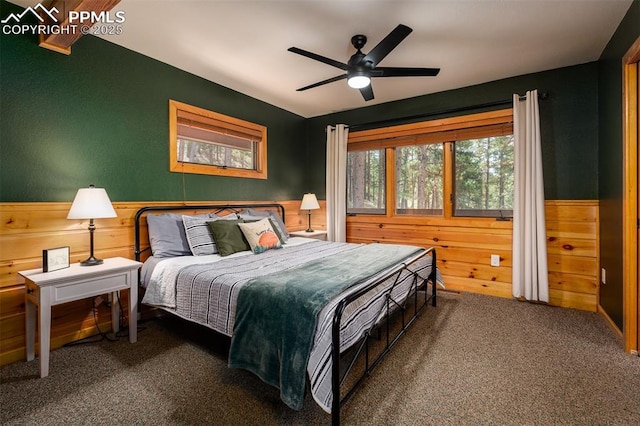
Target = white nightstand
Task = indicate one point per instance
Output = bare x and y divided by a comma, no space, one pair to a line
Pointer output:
46,289
318,235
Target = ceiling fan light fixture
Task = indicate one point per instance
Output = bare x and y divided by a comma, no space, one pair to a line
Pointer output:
358,77
358,81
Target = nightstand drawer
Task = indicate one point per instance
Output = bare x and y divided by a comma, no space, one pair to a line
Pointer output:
88,288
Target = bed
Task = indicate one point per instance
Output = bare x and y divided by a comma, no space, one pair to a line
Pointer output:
293,307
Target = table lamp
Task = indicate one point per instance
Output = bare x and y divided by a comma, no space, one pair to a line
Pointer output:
91,203
309,202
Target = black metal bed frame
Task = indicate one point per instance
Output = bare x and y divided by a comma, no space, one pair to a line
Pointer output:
214,208
391,306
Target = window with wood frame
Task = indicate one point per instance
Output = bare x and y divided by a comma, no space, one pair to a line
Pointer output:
206,142
458,166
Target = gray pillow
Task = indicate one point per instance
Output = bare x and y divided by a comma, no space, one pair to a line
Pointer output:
275,217
167,236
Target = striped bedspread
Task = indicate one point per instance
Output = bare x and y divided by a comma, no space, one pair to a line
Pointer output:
207,293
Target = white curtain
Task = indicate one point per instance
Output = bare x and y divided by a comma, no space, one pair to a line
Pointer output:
529,266
337,182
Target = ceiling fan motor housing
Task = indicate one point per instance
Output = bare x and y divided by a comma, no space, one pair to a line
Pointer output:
358,69
357,61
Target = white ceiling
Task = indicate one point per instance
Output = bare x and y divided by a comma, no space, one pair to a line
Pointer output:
242,44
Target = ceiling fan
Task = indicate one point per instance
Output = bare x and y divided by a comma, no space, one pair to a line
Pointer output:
362,67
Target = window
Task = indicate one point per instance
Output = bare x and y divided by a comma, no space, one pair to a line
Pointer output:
459,166
419,179
484,177
366,181
206,142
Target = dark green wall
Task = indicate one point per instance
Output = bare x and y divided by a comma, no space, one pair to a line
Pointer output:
569,125
611,160
100,116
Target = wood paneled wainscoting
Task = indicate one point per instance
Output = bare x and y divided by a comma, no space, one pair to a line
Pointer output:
464,247
27,228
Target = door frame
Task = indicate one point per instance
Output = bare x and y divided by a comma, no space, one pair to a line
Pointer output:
631,317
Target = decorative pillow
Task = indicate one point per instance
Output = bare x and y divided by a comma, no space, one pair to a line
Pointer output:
228,237
167,235
199,235
277,220
260,235
250,218
274,225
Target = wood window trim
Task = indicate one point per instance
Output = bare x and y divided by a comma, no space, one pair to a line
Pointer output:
445,131
630,124
234,124
457,123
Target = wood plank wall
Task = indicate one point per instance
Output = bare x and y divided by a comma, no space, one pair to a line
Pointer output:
463,247
27,228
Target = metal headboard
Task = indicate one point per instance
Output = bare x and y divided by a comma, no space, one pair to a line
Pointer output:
213,208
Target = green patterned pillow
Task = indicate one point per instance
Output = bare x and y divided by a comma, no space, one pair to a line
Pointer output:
260,235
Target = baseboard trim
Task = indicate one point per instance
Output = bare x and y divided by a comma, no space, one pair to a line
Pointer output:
612,324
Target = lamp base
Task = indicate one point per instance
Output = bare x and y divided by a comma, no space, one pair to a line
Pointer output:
91,261
309,223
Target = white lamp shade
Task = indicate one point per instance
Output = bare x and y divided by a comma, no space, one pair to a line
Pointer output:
91,203
309,202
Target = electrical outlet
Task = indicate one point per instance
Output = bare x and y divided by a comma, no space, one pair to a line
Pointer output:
603,275
495,260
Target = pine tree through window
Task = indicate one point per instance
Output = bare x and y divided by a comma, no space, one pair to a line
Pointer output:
484,177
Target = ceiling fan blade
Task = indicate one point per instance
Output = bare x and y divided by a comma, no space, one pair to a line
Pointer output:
367,93
387,44
319,58
404,72
320,83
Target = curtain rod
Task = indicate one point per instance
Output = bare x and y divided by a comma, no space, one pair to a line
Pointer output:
541,96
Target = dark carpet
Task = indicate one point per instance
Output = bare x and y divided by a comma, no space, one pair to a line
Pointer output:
472,360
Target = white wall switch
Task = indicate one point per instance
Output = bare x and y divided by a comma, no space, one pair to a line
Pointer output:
495,260
603,275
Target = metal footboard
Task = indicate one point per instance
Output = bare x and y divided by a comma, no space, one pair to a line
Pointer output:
390,307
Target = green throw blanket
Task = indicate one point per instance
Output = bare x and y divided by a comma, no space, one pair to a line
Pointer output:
277,313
